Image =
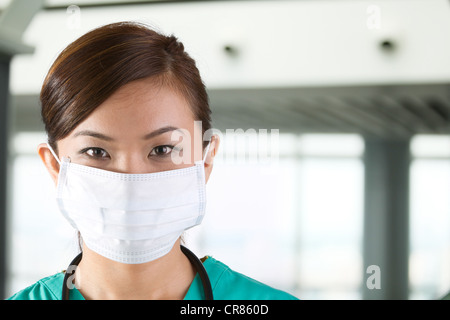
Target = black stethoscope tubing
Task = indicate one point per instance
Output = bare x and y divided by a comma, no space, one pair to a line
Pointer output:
198,265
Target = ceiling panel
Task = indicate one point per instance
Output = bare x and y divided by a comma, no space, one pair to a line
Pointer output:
394,112
389,112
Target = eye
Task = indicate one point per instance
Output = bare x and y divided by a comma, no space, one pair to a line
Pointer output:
97,153
161,150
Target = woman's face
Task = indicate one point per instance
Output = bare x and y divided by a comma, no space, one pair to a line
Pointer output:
141,128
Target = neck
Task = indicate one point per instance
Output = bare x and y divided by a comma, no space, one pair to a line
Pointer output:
166,278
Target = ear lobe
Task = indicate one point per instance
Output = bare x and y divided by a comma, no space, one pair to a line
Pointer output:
49,161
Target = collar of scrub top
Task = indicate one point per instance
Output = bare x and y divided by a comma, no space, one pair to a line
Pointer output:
195,261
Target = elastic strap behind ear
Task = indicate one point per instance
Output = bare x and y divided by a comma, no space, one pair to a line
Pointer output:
53,153
207,150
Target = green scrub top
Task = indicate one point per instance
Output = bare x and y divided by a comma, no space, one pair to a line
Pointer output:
226,285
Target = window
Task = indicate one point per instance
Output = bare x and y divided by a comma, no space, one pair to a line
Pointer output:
293,220
295,223
430,217
41,242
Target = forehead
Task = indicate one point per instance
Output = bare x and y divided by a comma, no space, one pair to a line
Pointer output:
140,106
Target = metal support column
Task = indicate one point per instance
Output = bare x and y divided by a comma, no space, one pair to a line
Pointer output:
4,98
386,219
14,20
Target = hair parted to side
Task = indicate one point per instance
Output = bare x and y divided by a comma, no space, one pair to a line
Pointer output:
94,66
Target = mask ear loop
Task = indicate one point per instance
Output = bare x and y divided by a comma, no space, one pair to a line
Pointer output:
64,159
206,153
53,153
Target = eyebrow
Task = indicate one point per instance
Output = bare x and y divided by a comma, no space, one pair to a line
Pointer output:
148,136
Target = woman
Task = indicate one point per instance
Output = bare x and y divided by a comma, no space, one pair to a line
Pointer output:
122,107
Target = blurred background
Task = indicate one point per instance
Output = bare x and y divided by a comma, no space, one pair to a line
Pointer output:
333,178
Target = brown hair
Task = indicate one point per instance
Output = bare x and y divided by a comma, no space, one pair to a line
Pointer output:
93,67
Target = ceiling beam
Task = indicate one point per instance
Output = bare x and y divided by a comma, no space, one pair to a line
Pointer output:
14,21
62,5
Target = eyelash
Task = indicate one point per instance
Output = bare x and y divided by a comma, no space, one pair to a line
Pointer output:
85,151
164,154
152,152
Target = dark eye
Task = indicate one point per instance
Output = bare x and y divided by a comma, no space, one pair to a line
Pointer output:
97,153
161,150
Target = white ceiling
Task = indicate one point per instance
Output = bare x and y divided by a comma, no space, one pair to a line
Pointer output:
66,3
304,66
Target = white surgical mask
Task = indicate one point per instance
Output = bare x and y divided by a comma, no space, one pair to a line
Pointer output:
131,218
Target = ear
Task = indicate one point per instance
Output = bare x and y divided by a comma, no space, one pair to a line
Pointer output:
49,161
212,151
